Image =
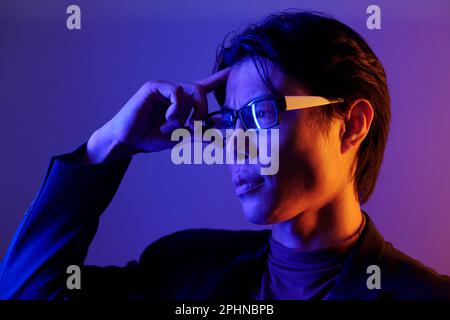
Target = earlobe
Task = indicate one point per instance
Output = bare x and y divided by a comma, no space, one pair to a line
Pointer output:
357,124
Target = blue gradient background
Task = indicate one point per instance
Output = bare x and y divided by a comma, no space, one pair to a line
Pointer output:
57,86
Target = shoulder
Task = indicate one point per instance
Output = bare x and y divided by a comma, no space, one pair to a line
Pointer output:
403,277
204,242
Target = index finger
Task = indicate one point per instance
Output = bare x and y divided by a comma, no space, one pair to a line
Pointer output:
215,80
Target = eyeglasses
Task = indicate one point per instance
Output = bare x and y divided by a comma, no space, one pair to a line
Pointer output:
263,113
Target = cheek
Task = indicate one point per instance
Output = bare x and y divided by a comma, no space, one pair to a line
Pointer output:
298,182
299,155
297,168
309,166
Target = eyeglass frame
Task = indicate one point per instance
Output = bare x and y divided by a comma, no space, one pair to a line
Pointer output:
282,103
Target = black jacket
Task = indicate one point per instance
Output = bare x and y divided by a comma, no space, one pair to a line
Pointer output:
192,264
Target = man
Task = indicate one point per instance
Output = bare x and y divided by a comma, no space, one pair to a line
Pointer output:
321,245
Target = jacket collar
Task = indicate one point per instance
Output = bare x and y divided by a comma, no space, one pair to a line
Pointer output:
245,271
352,282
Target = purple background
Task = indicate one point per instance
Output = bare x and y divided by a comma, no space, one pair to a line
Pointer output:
57,86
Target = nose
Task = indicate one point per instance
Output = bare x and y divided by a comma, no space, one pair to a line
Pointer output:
242,145
239,125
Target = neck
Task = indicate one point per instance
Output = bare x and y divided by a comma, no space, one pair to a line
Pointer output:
311,229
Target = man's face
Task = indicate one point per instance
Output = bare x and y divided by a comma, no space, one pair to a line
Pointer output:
311,170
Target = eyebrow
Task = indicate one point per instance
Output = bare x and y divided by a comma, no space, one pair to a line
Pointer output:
261,96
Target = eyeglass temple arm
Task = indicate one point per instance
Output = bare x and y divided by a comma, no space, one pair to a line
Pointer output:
303,102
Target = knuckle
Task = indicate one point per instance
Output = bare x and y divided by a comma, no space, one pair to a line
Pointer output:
148,85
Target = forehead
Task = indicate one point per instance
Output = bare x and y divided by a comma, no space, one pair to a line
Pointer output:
245,83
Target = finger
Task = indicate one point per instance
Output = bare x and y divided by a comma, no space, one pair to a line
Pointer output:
216,80
176,95
179,119
188,106
200,105
199,101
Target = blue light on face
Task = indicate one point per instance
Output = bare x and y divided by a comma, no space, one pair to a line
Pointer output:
254,117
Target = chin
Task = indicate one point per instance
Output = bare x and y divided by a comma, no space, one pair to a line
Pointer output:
264,209
258,212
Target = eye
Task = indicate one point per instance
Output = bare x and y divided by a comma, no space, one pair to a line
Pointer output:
228,117
265,112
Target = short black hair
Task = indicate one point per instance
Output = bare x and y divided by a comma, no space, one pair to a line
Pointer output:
328,59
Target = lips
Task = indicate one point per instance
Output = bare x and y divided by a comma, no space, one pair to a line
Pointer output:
245,183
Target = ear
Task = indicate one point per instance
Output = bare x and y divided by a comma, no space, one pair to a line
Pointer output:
356,124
